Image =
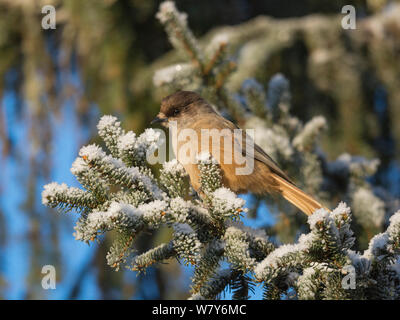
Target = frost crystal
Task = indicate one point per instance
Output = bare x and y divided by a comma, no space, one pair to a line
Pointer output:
173,167
51,189
107,122
272,259
127,141
226,202
275,143
172,74
78,166
376,245
368,208
306,138
92,152
318,216
122,192
167,8
205,157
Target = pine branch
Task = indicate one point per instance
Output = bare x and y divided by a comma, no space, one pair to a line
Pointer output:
121,195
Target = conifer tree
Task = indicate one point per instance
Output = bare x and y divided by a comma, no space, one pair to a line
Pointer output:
121,193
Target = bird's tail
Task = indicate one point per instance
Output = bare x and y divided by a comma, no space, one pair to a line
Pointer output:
294,195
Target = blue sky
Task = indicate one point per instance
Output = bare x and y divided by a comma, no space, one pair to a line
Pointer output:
68,135
67,139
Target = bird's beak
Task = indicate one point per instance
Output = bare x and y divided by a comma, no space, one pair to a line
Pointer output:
160,118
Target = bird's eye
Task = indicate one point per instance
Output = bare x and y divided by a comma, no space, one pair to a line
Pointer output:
176,112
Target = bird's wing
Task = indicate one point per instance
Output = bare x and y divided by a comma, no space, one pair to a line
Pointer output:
261,155
219,122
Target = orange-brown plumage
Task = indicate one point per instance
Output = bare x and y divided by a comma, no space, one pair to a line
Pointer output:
192,112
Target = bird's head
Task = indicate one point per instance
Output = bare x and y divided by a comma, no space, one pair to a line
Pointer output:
181,106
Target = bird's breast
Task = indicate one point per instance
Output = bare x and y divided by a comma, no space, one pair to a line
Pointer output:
188,143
